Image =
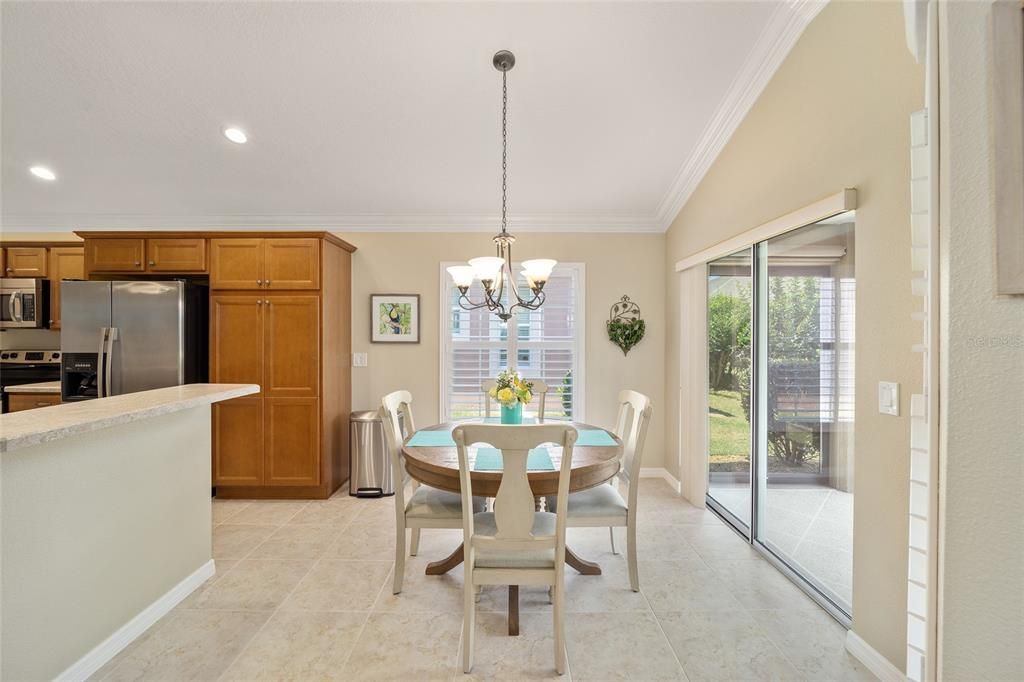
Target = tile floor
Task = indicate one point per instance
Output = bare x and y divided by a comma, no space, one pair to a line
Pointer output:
303,592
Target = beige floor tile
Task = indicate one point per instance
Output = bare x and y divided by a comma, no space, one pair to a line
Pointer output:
725,645
232,541
296,542
299,647
195,645
362,541
376,510
496,656
335,585
338,513
813,642
223,566
407,646
759,585
254,585
225,509
664,542
608,592
621,646
717,543
421,592
672,586
268,512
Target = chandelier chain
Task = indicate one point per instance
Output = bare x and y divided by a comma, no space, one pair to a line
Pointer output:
504,150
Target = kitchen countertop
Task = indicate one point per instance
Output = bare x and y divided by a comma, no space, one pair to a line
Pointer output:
42,387
45,424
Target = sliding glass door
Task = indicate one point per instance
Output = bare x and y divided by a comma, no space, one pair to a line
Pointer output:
791,374
730,287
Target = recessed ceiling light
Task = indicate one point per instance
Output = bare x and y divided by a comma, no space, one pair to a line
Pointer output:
236,135
42,172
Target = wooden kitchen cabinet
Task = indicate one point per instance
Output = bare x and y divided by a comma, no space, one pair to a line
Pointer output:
291,332
16,402
279,263
291,263
236,339
25,261
238,442
236,263
292,447
115,255
176,255
66,262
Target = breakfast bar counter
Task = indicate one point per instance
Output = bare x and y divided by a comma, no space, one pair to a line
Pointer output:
106,523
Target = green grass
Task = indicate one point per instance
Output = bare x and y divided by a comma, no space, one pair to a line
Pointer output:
729,431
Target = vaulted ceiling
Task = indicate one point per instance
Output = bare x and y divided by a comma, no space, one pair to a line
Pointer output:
374,115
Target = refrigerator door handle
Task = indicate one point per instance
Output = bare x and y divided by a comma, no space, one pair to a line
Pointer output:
99,361
111,337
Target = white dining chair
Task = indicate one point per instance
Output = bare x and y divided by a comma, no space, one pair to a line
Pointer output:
603,505
540,391
426,507
514,544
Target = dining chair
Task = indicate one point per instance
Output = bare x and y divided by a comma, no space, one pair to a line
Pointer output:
540,390
514,544
603,505
426,507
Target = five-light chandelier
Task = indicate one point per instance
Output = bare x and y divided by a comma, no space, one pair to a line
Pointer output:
495,272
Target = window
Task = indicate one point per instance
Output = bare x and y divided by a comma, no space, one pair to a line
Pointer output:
547,345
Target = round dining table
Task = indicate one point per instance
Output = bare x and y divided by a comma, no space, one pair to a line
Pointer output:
438,467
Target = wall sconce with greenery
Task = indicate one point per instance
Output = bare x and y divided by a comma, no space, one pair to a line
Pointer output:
625,328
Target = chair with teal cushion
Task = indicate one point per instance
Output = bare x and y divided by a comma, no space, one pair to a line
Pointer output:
604,505
426,507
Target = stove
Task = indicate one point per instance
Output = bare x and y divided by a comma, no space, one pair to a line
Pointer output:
27,367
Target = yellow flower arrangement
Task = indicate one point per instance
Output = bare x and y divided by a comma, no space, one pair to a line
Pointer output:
511,388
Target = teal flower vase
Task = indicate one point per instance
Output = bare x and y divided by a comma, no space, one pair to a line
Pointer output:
512,415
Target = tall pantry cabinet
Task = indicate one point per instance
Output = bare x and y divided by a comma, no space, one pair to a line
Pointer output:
280,317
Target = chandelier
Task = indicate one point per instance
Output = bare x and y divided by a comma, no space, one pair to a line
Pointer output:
495,272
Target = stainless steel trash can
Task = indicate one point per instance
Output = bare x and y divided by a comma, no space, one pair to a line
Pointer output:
370,463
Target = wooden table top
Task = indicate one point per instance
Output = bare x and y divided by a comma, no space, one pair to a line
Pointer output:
439,466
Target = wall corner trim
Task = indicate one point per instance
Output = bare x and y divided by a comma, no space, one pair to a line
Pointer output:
878,664
130,631
662,473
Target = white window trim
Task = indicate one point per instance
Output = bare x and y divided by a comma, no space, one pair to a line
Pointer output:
579,341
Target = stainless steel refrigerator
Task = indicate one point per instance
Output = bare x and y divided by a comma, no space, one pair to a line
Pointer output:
124,337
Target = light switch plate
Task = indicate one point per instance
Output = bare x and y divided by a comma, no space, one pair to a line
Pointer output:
889,398
359,360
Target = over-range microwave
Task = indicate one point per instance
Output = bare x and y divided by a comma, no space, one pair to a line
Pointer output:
24,303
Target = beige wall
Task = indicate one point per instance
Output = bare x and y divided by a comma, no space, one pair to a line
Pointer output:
836,115
616,264
981,515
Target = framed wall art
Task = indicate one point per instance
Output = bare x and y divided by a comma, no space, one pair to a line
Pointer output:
395,318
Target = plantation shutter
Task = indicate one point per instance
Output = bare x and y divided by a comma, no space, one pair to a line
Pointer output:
542,344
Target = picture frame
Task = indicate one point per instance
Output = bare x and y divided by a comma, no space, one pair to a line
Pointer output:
394,318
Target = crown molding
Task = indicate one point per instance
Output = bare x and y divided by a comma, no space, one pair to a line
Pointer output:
785,27
604,222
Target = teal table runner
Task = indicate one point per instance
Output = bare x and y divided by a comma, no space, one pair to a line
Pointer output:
431,439
497,420
594,438
489,459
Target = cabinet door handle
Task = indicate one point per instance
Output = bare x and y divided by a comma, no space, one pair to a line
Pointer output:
268,283
138,263
152,262
259,282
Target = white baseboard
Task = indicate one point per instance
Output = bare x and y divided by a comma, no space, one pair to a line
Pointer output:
878,664
127,633
662,473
